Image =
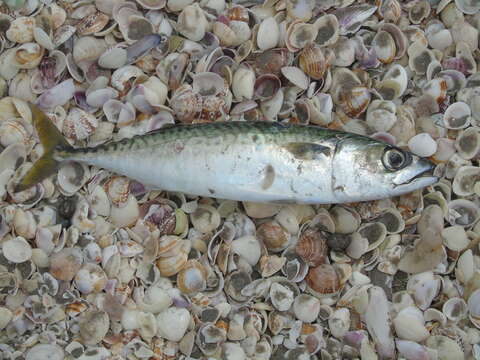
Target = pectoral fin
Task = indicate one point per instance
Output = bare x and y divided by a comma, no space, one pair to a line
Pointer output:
307,151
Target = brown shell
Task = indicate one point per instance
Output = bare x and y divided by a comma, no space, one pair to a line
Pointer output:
171,265
272,61
273,235
323,279
192,278
169,245
312,247
313,62
356,100
238,13
92,23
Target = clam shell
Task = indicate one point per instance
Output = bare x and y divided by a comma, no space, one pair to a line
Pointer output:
296,76
457,116
312,61
268,34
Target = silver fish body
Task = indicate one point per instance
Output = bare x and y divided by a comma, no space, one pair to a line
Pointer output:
262,162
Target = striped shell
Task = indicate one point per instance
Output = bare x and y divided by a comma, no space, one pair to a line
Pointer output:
312,62
312,247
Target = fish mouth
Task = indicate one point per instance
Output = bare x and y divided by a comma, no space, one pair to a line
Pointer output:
423,177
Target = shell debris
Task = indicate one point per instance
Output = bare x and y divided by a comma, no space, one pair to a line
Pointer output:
95,266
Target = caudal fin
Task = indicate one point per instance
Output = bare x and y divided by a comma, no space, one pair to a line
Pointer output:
51,139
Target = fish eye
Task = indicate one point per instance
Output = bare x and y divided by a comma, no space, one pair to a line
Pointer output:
395,159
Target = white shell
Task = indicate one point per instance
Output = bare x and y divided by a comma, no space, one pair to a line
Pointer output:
45,351
281,297
455,309
455,238
173,315
422,145
268,34
339,322
296,76
17,250
306,308
457,116
409,325
248,247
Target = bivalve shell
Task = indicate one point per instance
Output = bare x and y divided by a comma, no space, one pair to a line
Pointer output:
45,351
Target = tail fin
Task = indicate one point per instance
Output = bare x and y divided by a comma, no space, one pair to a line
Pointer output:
51,139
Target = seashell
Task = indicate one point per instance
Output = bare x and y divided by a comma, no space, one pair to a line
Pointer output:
355,100
268,34
205,218
43,39
455,309
445,346
328,30
17,250
126,215
409,324
171,265
225,34
422,145
375,233
273,236
152,4
93,325
300,10
243,83
457,116
312,61
312,247
438,37
323,279
113,58
28,55
79,125
65,264
207,84
419,11
411,349
424,287
59,95
346,219
92,23
266,86
381,115
300,35
419,58
462,212
384,47
192,278
87,50
393,221
474,308
465,180
21,30
238,13
467,143
44,351
351,18
306,308
248,248
13,131
339,322
192,22
295,76
281,296
90,278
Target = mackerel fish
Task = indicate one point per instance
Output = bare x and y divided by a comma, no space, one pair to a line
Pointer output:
246,161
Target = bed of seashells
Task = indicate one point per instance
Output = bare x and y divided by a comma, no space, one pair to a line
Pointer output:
94,266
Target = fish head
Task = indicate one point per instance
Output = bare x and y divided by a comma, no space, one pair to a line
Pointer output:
365,169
